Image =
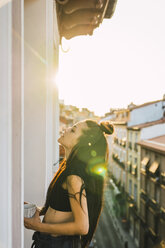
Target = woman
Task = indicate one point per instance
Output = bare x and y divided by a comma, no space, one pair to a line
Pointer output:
75,195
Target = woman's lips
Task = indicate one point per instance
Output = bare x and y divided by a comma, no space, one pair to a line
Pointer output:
63,132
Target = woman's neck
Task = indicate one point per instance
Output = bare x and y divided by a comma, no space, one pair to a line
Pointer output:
67,152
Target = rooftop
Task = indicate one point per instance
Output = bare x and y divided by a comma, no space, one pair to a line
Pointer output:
157,143
147,124
145,104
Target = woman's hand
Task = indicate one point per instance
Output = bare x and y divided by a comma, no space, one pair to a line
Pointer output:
32,223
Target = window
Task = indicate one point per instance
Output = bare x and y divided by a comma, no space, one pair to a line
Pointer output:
143,209
134,169
136,230
135,147
143,182
124,178
151,220
121,155
135,192
152,190
136,137
130,187
148,187
157,194
163,178
162,228
124,156
162,196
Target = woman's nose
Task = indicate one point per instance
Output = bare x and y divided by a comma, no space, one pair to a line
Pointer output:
67,129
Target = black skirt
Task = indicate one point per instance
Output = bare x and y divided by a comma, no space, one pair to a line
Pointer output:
42,240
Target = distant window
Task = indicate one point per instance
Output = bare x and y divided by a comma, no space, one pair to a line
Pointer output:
157,194
130,187
135,192
136,137
136,230
148,187
162,193
151,220
143,182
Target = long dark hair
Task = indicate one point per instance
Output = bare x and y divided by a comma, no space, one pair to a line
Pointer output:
88,160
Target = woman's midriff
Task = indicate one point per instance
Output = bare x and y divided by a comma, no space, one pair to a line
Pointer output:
55,217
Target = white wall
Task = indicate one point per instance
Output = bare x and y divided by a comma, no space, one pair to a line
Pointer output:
17,122
153,131
11,129
5,126
29,117
147,113
40,101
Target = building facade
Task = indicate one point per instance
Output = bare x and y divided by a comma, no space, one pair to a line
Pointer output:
135,134
152,188
132,125
147,112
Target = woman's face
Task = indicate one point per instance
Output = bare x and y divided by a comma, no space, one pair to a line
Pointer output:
70,136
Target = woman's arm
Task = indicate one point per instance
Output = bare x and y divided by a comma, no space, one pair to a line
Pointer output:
80,224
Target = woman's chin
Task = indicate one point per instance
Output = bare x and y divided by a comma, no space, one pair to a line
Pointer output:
60,141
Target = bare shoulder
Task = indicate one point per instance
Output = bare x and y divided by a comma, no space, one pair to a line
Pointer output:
74,180
74,184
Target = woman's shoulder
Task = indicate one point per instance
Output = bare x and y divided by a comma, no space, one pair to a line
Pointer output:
74,171
74,179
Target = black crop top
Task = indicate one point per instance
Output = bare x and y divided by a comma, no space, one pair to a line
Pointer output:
59,199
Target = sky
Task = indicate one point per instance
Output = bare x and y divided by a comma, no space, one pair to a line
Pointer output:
122,62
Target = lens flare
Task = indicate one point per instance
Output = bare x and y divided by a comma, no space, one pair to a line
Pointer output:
93,153
97,166
99,169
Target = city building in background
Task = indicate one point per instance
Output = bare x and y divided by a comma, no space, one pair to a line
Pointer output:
118,151
152,191
136,133
136,123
